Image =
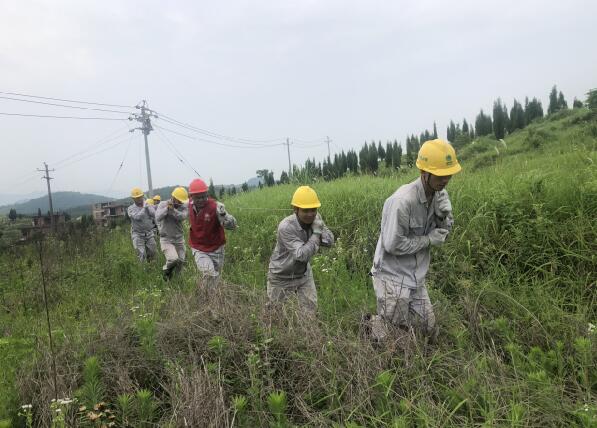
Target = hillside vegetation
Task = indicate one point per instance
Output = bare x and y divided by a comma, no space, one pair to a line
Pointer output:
514,289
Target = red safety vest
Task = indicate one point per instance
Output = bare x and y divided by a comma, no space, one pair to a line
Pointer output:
206,234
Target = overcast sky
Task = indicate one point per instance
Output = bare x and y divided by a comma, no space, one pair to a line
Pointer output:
265,70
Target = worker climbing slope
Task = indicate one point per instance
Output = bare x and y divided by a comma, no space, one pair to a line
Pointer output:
299,237
208,218
142,214
169,216
415,218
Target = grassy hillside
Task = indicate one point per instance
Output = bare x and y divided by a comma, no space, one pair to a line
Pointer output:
514,289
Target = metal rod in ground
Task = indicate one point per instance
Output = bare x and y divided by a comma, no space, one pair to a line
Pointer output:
43,282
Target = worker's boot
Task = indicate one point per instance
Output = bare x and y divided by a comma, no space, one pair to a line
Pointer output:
167,273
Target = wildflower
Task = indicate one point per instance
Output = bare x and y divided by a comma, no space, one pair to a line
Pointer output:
591,328
26,406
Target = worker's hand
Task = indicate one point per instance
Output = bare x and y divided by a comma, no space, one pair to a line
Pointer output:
220,209
443,206
170,204
317,225
437,236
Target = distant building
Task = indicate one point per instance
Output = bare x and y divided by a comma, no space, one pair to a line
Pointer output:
43,224
105,213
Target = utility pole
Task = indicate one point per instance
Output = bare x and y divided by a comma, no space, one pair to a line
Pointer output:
48,178
288,150
327,140
145,120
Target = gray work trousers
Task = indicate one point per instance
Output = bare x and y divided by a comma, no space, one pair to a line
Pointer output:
209,265
402,306
174,253
279,290
144,244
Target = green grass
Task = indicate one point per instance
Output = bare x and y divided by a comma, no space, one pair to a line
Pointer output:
514,289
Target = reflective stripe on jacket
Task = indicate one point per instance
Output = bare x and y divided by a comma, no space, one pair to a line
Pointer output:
170,221
294,248
141,218
402,253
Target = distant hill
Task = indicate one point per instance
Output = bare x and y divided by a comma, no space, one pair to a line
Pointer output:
77,204
11,198
61,201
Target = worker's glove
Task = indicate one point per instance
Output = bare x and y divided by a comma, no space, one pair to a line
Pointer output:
437,236
443,206
220,209
317,225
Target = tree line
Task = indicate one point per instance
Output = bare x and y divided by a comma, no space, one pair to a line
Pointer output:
373,155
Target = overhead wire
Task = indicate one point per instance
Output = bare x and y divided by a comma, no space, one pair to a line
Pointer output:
92,154
59,117
307,146
64,105
66,100
216,142
215,134
176,152
121,164
108,138
31,175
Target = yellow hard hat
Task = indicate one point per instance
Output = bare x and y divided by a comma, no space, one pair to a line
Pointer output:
149,201
305,197
157,198
180,194
136,192
438,157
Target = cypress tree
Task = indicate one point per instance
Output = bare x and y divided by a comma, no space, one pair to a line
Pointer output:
553,101
397,155
381,153
434,131
389,155
499,122
211,190
562,104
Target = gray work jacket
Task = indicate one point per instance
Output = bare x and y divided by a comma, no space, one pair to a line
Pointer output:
402,254
141,218
294,248
170,221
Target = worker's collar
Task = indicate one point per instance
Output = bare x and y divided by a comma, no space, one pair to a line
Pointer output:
421,190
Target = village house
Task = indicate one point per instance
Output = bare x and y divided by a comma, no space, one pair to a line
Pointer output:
105,213
43,224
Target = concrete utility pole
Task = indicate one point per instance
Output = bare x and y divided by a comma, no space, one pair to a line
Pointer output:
48,178
145,120
327,140
288,150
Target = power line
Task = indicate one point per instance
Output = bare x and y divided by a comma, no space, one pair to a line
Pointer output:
179,156
65,100
216,142
92,154
59,117
121,164
215,134
108,138
64,105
